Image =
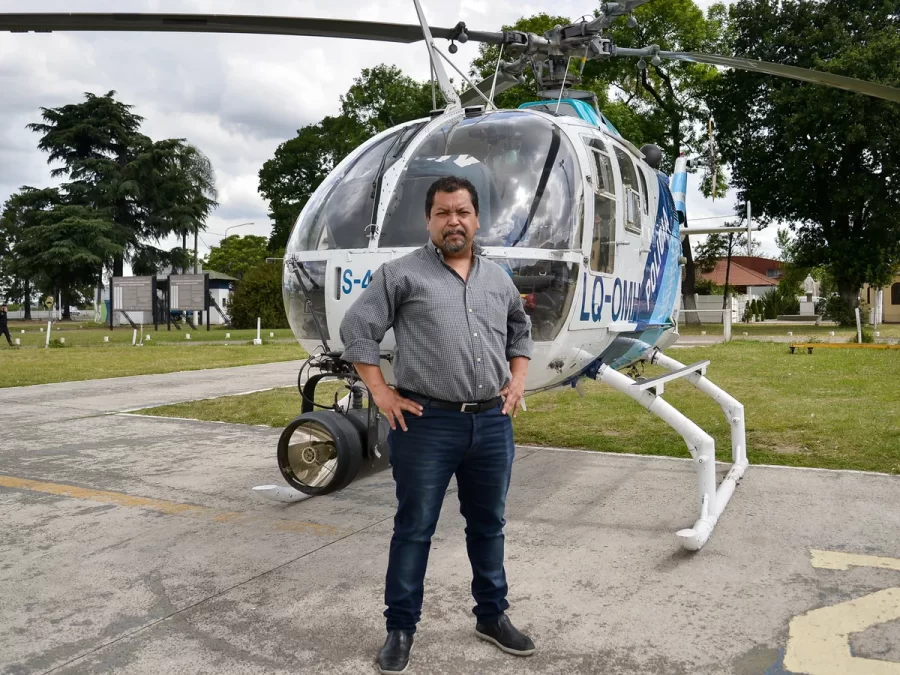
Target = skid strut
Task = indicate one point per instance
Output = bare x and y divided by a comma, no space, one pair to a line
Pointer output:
711,500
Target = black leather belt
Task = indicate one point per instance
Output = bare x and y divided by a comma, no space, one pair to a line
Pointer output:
466,407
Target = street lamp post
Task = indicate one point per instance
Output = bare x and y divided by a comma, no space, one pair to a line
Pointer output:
234,226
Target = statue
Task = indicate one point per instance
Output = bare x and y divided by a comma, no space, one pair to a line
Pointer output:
809,285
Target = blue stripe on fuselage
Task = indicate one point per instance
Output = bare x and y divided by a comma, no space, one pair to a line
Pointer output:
659,286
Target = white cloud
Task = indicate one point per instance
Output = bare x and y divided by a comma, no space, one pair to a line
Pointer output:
235,96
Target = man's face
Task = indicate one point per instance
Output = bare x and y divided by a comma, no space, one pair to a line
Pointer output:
452,222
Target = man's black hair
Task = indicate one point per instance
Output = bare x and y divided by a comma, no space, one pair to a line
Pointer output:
450,184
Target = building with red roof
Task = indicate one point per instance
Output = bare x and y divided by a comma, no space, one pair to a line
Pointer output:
749,275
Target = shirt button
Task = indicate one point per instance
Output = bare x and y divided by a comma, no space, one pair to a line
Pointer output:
479,360
475,334
481,386
470,310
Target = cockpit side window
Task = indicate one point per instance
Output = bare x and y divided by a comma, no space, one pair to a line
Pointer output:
341,209
632,191
644,194
603,245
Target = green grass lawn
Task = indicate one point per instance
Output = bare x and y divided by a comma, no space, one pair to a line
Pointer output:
41,366
832,409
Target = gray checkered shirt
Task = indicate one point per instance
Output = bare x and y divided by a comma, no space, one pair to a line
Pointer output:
454,338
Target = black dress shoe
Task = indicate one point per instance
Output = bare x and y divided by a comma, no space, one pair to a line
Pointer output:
394,656
502,633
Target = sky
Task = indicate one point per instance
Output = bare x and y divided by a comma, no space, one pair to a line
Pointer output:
236,97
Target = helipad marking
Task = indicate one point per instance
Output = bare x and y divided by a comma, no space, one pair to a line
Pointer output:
171,508
834,560
818,641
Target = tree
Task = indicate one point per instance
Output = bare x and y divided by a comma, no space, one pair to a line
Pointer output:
94,141
146,190
67,242
383,97
822,159
379,98
259,295
15,279
173,185
237,255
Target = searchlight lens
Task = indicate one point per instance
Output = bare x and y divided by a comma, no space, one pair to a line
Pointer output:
312,455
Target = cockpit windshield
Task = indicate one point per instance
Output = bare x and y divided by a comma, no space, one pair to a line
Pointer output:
343,206
524,169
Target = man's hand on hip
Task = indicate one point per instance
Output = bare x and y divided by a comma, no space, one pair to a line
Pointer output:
393,405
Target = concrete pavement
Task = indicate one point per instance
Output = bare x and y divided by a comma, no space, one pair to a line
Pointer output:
134,545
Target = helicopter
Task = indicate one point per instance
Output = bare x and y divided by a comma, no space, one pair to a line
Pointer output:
586,225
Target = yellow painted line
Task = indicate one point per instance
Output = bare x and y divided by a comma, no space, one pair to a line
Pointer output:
819,641
163,506
834,560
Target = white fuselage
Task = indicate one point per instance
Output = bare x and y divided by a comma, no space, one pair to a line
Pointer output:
612,279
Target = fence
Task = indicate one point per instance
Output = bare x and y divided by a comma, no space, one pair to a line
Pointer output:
725,318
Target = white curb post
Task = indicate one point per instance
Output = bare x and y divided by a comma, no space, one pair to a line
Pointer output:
258,340
726,321
187,336
134,337
18,342
106,338
62,341
47,343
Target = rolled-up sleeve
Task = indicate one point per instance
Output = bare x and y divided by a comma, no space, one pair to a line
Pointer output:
368,319
518,328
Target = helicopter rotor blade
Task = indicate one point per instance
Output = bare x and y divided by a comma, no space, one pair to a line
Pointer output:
781,70
504,81
225,23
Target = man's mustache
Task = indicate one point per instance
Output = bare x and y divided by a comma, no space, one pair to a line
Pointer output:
448,233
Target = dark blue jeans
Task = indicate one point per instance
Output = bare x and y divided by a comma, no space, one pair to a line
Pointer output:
478,448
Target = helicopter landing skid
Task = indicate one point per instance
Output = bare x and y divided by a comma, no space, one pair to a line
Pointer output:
712,500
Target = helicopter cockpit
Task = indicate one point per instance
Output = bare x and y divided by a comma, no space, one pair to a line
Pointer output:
529,185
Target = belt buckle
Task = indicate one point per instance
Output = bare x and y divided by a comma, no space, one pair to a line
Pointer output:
465,405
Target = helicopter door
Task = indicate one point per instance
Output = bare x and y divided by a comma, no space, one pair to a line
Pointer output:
600,237
603,237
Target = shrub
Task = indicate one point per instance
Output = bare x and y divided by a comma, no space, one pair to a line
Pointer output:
780,300
705,287
838,310
259,295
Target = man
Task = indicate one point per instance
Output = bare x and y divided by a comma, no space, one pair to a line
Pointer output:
463,346
4,324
